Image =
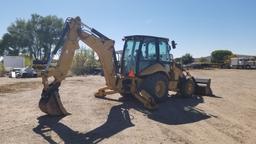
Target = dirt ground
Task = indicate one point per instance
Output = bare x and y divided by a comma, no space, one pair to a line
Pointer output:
228,117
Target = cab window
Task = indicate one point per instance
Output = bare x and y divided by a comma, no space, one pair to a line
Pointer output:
130,53
164,51
148,54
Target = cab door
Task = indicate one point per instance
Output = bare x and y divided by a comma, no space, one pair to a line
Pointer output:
129,60
148,54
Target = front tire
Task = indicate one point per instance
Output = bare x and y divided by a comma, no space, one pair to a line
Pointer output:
187,87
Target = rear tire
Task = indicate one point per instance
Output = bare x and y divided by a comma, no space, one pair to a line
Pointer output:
157,86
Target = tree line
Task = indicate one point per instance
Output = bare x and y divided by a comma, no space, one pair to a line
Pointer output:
35,37
217,57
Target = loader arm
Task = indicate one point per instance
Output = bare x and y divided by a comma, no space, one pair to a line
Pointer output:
74,30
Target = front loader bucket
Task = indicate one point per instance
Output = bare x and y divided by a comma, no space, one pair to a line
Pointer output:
50,102
203,86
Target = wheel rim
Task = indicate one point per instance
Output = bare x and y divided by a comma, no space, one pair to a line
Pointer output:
160,88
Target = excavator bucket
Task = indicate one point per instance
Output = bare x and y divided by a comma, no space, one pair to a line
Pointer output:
50,102
203,86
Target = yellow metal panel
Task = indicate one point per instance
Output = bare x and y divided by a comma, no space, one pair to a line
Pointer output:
154,69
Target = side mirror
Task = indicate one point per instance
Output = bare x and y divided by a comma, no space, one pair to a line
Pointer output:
174,44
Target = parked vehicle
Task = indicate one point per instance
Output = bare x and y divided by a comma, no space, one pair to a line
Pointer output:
28,73
243,63
22,73
14,73
11,62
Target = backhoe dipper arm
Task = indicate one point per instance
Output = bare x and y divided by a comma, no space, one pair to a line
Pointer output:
67,53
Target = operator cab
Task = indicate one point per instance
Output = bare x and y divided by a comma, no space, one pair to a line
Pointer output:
141,52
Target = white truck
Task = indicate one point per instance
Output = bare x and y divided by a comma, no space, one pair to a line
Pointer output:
243,63
11,62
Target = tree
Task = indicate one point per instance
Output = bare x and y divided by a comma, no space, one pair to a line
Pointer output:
187,59
1,69
221,56
1,47
203,60
84,62
14,41
43,33
34,37
177,60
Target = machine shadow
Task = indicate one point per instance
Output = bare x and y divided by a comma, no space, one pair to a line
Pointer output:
174,111
118,120
177,111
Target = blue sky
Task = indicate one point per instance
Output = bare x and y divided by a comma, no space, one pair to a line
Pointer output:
198,26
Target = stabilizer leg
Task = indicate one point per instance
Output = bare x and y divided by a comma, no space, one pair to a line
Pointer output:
145,98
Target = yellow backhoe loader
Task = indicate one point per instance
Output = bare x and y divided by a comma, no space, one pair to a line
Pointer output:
147,70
